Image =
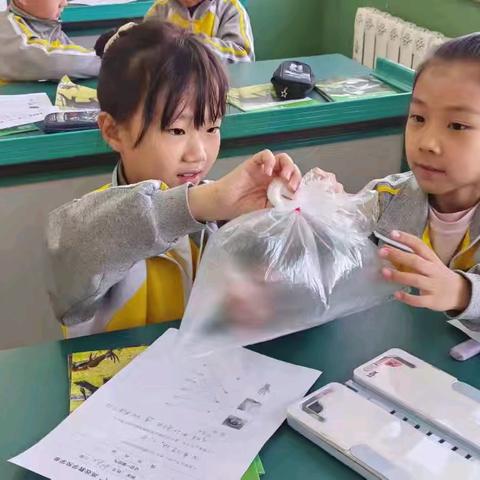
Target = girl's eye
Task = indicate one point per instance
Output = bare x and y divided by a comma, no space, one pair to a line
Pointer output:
458,126
176,131
416,118
213,130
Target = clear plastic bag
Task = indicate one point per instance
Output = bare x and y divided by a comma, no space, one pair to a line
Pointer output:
304,262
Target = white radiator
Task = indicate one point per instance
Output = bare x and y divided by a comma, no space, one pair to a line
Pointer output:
379,34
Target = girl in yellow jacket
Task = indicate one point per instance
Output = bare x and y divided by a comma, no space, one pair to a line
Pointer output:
125,255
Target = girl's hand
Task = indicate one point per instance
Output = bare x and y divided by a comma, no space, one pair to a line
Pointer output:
244,189
440,288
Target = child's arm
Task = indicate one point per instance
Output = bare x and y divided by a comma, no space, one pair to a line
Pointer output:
93,242
234,40
27,57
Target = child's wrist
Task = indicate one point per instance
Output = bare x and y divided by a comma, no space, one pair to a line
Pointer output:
463,294
204,202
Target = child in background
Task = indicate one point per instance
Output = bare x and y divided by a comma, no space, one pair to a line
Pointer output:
34,47
126,255
433,209
223,25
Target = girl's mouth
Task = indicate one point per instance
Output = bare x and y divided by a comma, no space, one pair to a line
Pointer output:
428,170
190,177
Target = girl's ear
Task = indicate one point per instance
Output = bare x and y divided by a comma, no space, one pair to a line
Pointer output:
111,131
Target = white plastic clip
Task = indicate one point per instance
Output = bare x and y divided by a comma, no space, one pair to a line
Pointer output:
279,195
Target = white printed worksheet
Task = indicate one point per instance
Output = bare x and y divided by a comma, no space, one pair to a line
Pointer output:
172,416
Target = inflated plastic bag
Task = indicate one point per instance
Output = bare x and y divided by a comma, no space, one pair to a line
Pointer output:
304,262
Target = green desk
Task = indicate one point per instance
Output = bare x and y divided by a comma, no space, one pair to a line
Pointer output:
242,133
82,15
34,387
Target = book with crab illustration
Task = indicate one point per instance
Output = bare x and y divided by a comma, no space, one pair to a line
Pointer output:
90,370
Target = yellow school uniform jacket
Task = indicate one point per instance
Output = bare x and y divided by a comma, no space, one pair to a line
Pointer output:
35,49
223,25
123,256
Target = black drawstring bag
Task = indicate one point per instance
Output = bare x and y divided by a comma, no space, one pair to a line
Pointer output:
293,80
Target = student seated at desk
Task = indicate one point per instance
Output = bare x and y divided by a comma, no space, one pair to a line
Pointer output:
223,25
34,47
126,255
434,208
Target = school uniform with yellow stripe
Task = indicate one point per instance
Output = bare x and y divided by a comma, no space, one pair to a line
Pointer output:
223,25
35,49
123,256
404,206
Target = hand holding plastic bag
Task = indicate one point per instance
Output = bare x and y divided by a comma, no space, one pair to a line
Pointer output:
304,262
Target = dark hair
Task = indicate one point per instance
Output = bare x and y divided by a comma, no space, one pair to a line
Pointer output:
461,48
102,41
156,61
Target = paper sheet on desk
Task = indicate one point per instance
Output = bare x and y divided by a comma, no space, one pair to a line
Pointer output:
169,416
475,334
18,110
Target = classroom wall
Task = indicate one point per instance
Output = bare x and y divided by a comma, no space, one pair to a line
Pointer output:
335,18
284,28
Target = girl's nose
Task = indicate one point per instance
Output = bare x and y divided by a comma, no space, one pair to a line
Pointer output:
430,141
195,151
